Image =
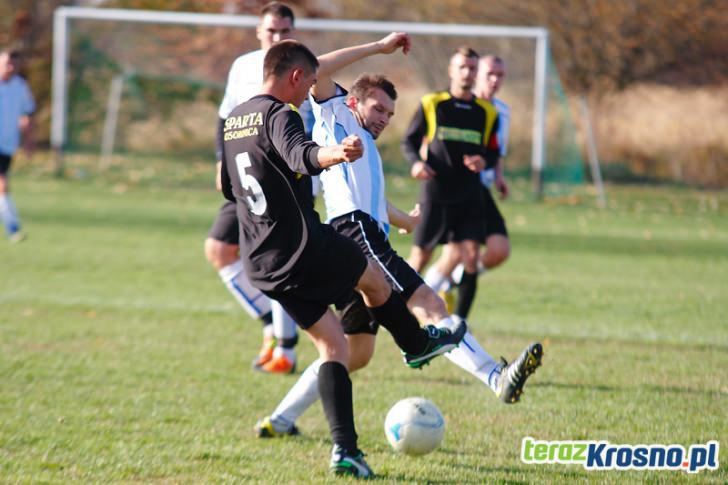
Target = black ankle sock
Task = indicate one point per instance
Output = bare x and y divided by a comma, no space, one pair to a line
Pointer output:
288,343
267,319
466,294
397,319
335,389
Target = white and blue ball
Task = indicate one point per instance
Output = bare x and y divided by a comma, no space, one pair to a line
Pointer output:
414,426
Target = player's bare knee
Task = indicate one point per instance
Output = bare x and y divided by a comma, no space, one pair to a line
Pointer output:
426,305
332,347
359,359
220,254
471,263
470,254
503,254
374,287
418,258
498,251
451,254
361,350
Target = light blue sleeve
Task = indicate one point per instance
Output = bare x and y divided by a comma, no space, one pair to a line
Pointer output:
323,114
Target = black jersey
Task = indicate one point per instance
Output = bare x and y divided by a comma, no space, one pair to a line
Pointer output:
266,159
452,128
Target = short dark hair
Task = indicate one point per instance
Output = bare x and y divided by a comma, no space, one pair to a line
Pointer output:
465,51
288,54
12,53
366,83
493,58
277,9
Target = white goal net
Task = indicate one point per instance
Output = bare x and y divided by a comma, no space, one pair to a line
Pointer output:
147,83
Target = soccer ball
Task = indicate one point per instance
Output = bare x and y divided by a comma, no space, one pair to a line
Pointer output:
414,426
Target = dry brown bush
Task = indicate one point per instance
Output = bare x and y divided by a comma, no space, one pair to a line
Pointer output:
666,132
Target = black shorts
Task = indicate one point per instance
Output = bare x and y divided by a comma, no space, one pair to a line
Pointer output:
494,222
5,163
374,243
329,278
225,228
444,223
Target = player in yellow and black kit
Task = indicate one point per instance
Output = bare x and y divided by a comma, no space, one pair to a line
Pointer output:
458,131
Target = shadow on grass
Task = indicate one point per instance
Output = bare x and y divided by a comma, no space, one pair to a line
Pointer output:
554,476
401,478
649,388
428,379
622,342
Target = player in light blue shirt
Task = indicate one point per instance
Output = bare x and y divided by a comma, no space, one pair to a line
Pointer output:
16,107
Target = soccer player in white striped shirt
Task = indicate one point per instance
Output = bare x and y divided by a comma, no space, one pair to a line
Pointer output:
356,207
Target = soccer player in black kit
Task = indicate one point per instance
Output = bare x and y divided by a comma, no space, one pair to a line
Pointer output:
460,136
295,259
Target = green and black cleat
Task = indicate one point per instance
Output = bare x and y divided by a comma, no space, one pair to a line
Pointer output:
351,464
439,341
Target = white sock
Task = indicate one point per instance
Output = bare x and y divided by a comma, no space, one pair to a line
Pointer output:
301,396
436,280
448,322
250,298
457,274
283,325
289,353
9,214
470,356
268,331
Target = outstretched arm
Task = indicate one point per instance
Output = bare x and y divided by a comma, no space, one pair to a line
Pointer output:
338,59
404,221
350,150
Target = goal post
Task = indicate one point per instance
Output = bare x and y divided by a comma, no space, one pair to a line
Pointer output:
65,15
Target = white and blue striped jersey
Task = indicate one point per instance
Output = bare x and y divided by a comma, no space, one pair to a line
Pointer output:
349,186
487,177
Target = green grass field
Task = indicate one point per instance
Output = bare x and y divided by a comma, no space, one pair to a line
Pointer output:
124,359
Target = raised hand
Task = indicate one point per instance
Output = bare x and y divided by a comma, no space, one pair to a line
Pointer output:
394,41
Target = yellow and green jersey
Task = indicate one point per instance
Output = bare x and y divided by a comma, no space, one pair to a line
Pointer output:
451,128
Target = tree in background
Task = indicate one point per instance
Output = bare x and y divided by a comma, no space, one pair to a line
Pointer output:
600,47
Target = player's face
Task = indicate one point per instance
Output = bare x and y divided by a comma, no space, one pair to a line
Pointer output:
490,78
462,71
273,30
7,66
375,112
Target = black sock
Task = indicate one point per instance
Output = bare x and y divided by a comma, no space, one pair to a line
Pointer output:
267,319
334,387
397,319
288,343
466,294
